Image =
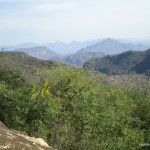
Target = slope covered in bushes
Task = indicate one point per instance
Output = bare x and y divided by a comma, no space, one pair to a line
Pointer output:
73,109
72,112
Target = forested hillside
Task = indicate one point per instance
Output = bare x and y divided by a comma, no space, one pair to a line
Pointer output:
124,63
71,108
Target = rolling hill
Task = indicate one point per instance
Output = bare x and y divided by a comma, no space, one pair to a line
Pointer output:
26,65
124,63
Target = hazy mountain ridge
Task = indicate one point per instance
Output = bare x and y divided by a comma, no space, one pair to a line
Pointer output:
112,46
39,52
76,53
73,47
69,48
59,47
107,46
80,58
124,63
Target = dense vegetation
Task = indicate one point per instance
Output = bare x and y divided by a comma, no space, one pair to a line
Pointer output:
124,63
73,109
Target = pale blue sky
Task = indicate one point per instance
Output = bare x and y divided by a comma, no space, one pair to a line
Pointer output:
45,21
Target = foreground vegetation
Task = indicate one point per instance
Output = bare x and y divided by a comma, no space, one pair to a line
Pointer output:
73,112
73,109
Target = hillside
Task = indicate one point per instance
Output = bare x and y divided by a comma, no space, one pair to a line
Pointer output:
39,52
144,65
112,46
124,63
23,63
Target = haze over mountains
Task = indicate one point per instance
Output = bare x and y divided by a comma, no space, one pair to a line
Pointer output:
58,46
76,53
70,48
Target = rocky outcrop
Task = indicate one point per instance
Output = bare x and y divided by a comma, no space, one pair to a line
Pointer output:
16,140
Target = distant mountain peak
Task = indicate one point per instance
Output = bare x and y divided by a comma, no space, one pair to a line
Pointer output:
110,41
112,46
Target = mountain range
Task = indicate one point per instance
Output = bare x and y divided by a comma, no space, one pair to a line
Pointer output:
76,53
70,48
47,54
58,46
112,46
